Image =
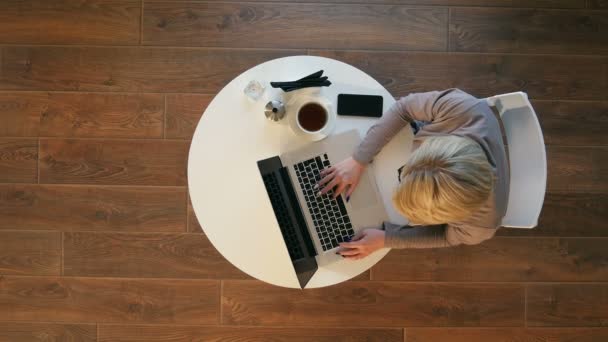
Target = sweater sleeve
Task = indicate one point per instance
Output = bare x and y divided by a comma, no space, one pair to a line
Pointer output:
436,236
428,107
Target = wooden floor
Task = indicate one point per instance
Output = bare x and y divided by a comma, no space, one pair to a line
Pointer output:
98,103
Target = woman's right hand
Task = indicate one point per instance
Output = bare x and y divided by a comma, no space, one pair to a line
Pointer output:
346,173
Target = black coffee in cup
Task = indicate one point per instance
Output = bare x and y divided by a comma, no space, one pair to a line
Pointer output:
312,117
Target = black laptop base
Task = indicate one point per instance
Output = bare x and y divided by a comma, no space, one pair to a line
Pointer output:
290,218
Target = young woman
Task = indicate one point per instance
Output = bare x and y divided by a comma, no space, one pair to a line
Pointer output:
454,188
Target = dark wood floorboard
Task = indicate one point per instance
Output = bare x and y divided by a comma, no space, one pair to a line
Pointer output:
128,69
129,333
115,162
573,123
82,115
30,253
183,114
42,332
488,3
598,4
384,304
528,30
554,305
507,335
548,77
99,100
569,214
90,300
145,255
18,160
93,208
577,169
106,22
501,259
296,26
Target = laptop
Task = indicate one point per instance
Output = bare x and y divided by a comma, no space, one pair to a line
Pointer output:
313,226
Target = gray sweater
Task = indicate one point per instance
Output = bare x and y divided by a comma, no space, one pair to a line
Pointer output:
445,112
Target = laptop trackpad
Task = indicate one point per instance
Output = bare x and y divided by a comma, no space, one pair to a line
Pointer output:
364,195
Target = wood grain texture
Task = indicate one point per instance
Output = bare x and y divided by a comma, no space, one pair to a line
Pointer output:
487,3
89,300
576,123
367,304
183,114
506,334
193,223
130,333
82,115
145,255
18,160
542,77
598,4
47,332
92,208
584,305
528,31
501,259
114,22
577,169
30,253
113,162
127,69
296,25
569,214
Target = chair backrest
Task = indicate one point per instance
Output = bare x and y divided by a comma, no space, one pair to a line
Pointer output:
527,159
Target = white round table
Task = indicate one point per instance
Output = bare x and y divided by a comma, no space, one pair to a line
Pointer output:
226,189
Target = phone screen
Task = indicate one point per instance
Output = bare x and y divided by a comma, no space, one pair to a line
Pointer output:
360,105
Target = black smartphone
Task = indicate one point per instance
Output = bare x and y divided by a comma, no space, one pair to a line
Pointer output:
360,105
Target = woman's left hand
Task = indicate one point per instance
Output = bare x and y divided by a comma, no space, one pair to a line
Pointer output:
362,244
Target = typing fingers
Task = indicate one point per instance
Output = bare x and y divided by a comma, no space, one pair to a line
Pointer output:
330,185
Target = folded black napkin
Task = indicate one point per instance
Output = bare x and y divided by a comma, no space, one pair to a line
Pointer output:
312,80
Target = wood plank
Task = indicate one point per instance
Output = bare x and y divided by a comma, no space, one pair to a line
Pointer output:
598,4
506,334
488,3
90,300
569,214
193,224
573,123
92,208
368,304
18,160
82,115
576,169
127,69
124,333
296,26
568,305
482,75
501,259
528,31
43,332
144,255
183,114
30,253
116,162
114,22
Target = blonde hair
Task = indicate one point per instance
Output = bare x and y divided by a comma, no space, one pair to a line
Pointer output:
445,180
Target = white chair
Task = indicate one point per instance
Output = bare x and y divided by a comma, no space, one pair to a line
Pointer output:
527,159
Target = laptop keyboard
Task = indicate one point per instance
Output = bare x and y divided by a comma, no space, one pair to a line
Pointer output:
329,215
280,210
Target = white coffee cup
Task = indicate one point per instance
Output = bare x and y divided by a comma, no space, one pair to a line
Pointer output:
311,117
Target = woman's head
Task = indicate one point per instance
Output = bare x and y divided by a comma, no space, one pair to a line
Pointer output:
445,180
